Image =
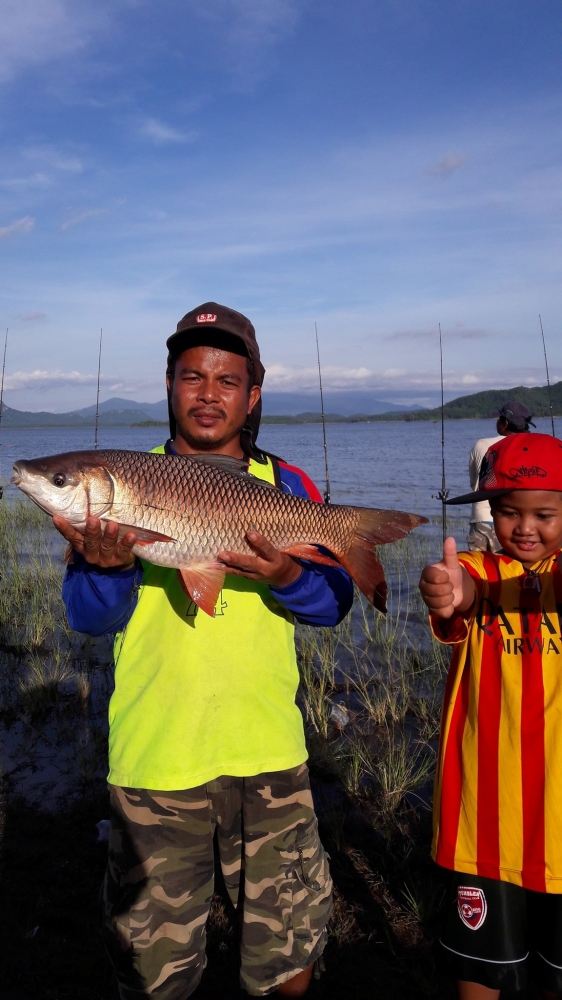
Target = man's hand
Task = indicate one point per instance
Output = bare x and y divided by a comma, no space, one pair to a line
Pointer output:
445,586
100,547
267,565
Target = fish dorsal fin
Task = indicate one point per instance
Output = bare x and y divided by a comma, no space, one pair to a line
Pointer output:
226,463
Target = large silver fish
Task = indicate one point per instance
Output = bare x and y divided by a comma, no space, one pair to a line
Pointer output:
186,509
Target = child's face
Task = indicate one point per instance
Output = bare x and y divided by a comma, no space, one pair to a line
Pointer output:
528,524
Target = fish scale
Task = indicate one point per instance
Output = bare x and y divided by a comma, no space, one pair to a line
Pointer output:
187,509
209,496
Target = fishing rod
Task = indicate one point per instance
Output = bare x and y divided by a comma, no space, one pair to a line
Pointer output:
2,393
443,492
98,394
547,378
327,490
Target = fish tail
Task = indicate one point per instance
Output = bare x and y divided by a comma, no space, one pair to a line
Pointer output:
375,527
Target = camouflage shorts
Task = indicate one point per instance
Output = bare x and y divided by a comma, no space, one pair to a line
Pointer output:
160,875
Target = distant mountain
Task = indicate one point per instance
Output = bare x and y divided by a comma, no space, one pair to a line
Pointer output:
126,408
24,418
537,401
302,406
486,404
344,403
112,412
119,412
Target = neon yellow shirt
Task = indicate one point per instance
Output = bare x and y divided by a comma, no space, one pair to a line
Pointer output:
197,697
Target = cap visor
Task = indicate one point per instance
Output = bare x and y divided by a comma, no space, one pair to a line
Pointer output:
205,335
479,495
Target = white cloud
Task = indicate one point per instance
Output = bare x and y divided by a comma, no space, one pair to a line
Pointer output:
259,22
284,377
76,220
250,31
54,157
36,180
37,33
161,133
24,225
42,379
35,171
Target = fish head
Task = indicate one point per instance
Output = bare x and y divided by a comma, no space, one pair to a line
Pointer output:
73,485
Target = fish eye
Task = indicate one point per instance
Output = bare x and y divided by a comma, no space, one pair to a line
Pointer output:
59,479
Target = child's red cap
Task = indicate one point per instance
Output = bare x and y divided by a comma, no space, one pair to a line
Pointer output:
518,462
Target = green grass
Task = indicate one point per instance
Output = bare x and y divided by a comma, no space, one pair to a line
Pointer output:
370,695
389,674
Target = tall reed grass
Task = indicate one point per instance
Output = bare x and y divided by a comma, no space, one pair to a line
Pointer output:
370,693
370,688
34,634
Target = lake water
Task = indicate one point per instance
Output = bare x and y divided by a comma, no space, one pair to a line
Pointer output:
393,464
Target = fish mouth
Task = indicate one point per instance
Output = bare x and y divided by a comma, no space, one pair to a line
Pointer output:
19,478
17,474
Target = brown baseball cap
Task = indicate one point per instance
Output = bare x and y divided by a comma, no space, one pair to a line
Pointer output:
200,325
212,323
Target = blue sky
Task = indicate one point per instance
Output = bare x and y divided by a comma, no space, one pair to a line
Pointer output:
376,167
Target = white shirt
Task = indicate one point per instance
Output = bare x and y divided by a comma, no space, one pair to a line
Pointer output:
480,510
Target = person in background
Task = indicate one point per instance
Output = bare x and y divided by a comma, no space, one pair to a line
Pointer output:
497,801
205,735
513,417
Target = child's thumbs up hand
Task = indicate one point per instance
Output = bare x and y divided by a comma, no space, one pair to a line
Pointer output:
443,584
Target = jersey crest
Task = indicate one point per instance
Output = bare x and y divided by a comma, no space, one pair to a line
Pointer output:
472,906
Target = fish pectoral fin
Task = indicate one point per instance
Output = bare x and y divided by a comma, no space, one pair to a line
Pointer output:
203,584
144,535
305,551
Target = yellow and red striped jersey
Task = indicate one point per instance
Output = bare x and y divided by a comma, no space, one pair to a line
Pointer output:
498,788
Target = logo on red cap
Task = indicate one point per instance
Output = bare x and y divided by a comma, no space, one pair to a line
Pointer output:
207,318
472,906
528,472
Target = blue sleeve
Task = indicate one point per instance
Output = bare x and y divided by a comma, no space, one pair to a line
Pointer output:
322,595
99,601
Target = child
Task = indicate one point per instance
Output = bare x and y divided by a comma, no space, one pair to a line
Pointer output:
498,793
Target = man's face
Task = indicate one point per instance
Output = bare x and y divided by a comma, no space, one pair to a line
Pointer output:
528,524
211,397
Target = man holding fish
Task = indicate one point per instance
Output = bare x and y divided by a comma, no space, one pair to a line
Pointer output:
205,735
